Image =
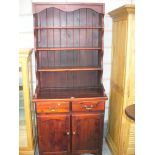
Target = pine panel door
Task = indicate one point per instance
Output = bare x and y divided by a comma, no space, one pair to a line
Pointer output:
87,133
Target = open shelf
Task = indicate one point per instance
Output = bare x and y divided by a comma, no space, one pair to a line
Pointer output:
68,49
49,93
69,52
68,27
69,89
63,69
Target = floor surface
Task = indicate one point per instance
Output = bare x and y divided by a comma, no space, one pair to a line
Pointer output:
106,150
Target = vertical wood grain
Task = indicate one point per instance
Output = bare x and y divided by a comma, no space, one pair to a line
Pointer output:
50,22
24,59
69,38
57,36
90,140
122,81
51,130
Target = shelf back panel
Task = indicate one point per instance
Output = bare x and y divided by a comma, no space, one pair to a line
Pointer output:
79,79
48,59
53,17
71,39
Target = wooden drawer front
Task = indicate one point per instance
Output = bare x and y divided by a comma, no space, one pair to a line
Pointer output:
88,106
52,107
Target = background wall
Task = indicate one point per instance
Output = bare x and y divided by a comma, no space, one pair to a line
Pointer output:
26,39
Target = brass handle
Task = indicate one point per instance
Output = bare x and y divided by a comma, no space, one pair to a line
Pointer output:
54,109
51,109
88,108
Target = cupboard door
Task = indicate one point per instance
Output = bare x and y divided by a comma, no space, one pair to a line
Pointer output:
87,133
53,134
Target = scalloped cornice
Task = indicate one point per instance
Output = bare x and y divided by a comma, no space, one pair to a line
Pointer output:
98,7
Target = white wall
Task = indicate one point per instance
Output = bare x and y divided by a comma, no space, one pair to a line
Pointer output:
27,40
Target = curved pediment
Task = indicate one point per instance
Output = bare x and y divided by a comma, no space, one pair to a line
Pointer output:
38,7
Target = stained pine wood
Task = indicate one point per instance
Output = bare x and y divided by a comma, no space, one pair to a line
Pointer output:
68,69
69,27
66,49
78,79
87,133
120,130
53,133
88,106
69,95
53,107
98,7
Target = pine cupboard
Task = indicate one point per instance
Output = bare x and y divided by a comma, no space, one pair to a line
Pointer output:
121,132
70,96
27,121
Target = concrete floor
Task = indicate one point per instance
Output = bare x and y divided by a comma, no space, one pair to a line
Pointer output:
106,150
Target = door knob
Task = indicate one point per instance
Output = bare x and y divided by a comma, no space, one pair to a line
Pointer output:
68,133
74,132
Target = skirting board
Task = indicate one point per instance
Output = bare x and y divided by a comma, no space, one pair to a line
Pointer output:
111,145
32,152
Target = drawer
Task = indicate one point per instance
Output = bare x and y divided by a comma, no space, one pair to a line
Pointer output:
52,107
86,106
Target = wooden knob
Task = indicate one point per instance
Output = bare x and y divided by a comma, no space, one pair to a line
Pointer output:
68,133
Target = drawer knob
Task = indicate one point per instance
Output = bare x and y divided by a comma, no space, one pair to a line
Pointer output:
75,133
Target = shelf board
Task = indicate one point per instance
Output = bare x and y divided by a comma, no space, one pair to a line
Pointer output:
64,69
66,49
68,27
68,93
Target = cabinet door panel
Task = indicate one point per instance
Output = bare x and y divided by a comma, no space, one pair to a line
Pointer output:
87,132
53,133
